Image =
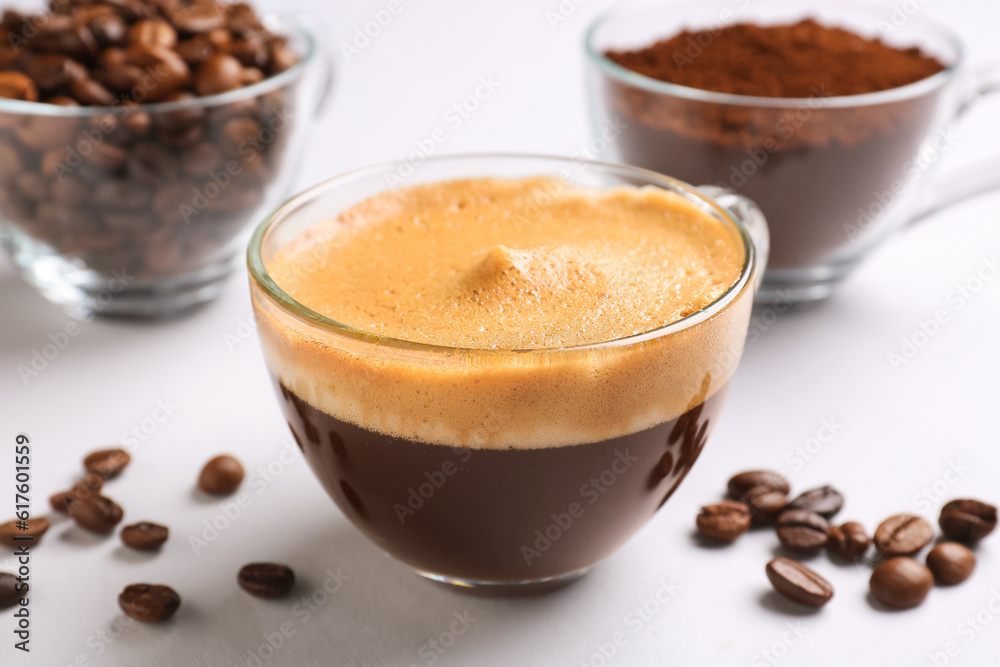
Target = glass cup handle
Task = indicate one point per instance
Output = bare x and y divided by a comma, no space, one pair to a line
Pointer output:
750,215
962,183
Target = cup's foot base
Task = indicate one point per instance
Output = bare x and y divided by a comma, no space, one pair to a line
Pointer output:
512,588
787,288
85,293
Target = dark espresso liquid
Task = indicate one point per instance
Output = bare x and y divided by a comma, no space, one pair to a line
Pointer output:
498,515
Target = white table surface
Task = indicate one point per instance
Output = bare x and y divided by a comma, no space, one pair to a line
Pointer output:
900,431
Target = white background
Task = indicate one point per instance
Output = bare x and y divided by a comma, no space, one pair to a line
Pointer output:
902,431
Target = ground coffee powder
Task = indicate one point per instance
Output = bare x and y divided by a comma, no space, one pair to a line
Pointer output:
779,61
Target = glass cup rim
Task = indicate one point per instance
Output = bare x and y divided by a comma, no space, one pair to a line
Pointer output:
625,75
271,83
260,276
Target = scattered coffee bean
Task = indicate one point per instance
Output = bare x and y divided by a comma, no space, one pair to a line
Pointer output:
849,540
149,603
825,501
107,463
97,514
802,531
9,594
951,562
902,535
220,476
724,521
145,536
740,484
901,582
765,504
798,583
967,520
266,580
12,535
87,487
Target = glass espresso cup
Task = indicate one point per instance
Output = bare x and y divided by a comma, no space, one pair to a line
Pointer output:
513,512
835,175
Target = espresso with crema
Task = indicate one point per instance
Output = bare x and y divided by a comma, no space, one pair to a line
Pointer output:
499,403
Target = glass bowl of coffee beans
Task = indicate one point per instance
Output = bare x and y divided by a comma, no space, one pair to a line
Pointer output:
138,141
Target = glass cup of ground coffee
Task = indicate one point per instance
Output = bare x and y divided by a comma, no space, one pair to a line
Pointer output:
500,367
139,140
828,115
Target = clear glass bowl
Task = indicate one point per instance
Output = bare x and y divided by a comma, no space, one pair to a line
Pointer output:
143,211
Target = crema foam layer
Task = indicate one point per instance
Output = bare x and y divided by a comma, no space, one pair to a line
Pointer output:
500,265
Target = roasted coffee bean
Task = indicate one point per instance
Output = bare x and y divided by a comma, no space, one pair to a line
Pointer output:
251,75
97,514
250,50
798,583
150,164
11,590
901,582
137,123
52,70
153,32
87,487
218,74
239,135
123,79
17,86
740,484
196,50
902,535
825,501
967,520
951,562
109,30
266,580
145,536
18,532
802,531
107,463
765,504
199,17
724,521
849,540
221,475
92,93
149,603
202,159
282,58
241,17
172,73
220,39
57,33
